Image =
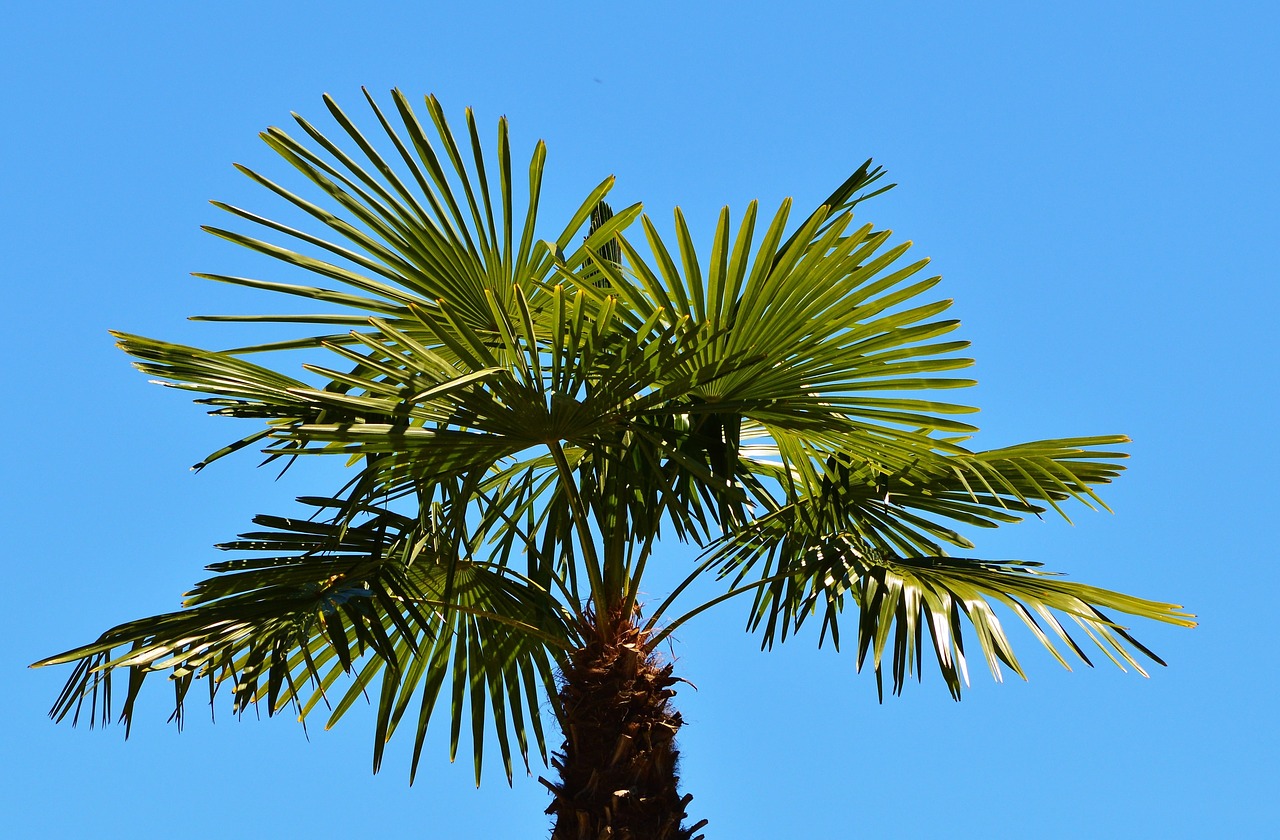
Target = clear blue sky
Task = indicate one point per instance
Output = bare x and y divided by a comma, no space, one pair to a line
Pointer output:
1097,182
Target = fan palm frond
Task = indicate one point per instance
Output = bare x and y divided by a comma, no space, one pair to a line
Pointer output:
378,596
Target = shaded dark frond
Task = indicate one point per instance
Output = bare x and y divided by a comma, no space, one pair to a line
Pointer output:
803,571
368,593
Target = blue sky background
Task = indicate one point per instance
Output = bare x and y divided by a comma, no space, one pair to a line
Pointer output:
1097,182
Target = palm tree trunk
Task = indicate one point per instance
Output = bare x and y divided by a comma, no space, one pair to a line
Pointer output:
618,765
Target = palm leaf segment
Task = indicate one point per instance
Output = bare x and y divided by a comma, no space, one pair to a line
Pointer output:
380,595
525,421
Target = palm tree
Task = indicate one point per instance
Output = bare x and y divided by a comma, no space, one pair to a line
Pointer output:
525,422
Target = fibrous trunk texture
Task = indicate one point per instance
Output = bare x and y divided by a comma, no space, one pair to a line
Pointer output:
618,766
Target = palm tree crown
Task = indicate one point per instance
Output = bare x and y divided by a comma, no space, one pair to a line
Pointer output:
526,418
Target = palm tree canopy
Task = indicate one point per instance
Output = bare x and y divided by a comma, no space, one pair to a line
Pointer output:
525,418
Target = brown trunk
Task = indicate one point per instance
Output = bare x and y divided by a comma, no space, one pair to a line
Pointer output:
618,765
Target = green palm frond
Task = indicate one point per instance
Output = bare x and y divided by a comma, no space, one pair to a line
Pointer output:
897,596
829,325
406,227
816,556
382,596
901,510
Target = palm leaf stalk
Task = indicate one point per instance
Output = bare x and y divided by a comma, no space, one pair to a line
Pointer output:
524,424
